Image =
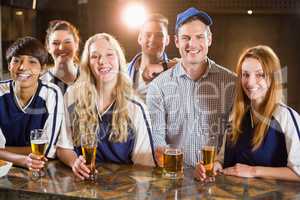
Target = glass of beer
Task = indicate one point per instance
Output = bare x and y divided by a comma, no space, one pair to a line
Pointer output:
173,163
208,156
89,149
39,144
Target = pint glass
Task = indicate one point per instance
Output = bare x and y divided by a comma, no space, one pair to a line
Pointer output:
39,144
89,149
208,155
173,163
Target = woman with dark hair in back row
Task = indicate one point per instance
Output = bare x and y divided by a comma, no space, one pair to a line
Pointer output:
62,42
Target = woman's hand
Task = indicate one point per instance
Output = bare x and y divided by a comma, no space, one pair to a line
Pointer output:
80,169
35,162
200,172
241,170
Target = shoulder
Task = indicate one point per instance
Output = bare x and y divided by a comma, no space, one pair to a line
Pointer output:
136,102
47,76
50,86
286,116
223,71
70,96
5,87
163,78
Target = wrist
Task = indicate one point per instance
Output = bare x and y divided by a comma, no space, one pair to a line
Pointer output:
255,171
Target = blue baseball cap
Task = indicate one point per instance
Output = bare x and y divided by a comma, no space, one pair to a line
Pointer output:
191,12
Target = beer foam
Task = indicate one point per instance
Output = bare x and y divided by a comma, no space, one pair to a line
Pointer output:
173,153
209,148
39,141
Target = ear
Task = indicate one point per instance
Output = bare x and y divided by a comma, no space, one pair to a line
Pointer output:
176,41
167,40
77,46
140,38
209,38
9,67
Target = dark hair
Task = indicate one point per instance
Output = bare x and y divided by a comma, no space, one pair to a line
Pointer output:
29,46
56,25
156,17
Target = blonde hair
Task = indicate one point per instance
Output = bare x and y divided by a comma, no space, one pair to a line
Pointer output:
86,94
271,67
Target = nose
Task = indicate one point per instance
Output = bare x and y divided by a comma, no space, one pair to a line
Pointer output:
192,42
23,65
102,60
251,80
151,38
61,46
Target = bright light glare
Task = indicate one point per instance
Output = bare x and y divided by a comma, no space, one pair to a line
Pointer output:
134,15
250,12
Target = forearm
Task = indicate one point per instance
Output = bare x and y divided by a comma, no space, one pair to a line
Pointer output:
15,158
19,150
67,156
283,173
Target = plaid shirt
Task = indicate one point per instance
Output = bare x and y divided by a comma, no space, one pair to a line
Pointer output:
184,111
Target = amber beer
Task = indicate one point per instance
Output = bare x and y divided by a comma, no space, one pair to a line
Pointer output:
208,158
38,147
173,163
89,154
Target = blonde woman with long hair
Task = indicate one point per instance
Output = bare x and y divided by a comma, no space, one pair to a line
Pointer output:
103,98
264,140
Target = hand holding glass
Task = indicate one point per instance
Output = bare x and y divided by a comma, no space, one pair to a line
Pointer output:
89,149
208,155
39,144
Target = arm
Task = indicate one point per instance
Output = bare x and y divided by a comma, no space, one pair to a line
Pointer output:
155,103
31,161
143,147
283,173
69,157
19,155
19,150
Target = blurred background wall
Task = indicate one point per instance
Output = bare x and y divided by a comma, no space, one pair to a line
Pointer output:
273,22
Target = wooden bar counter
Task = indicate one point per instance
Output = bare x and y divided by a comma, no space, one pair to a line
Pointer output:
137,182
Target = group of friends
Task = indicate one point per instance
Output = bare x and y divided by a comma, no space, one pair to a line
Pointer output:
153,102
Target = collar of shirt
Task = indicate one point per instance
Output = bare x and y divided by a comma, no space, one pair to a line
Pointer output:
180,72
133,66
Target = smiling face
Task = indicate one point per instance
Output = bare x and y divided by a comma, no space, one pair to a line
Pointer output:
25,70
255,84
153,38
103,60
62,46
193,40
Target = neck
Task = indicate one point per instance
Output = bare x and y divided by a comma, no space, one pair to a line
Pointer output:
195,71
147,59
106,95
25,94
65,71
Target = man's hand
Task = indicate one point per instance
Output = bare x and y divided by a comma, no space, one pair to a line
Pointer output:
159,155
151,71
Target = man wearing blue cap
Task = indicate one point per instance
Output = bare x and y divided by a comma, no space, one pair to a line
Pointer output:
152,60
191,101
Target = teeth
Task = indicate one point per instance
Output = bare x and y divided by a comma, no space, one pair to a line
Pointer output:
105,70
193,51
23,76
